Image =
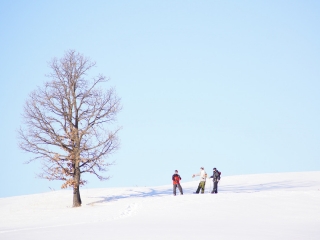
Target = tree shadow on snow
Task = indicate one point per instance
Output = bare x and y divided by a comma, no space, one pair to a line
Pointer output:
134,194
235,188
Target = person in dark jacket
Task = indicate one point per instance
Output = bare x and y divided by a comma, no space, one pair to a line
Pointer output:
176,182
215,178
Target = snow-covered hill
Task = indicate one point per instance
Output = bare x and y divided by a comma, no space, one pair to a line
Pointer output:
265,206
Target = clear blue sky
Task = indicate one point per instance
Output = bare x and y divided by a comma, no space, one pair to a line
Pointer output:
227,84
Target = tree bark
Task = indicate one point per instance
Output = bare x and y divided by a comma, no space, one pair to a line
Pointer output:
76,189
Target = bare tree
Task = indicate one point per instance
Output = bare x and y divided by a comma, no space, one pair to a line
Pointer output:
66,124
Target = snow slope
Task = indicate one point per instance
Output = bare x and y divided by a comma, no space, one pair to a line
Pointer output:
265,206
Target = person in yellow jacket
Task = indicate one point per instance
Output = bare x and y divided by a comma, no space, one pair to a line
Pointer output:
203,177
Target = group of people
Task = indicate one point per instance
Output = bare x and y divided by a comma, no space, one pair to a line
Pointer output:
203,177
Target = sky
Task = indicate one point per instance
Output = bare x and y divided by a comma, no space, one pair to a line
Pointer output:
226,84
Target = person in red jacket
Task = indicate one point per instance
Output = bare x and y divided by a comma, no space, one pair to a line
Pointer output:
176,182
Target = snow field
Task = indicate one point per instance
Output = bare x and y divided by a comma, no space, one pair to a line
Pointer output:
261,206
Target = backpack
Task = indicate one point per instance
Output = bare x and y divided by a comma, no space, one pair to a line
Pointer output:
176,178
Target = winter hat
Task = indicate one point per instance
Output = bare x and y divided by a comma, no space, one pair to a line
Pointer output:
176,171
214,169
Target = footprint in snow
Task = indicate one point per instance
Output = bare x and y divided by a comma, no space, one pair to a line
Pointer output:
128,211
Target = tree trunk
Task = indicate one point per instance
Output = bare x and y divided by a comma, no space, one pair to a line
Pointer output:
76,189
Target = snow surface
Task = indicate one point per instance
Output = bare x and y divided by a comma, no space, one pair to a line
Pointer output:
263,206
